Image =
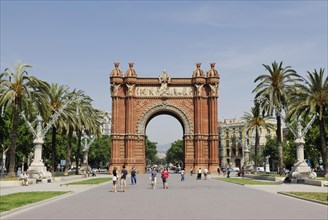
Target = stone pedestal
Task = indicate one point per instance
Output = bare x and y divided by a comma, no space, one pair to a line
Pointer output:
267,168
301,170
37,170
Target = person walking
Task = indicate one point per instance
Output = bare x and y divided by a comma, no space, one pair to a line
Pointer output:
165,176
219,170
199,174
228,171
115,177
205,173
153,175
134,175
182,175
124,173
191,171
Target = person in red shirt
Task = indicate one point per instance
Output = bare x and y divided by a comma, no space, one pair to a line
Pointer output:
165,176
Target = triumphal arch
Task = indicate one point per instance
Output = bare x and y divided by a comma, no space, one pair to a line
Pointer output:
192,101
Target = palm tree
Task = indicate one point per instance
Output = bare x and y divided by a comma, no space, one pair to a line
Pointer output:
274,87
87,119
57,96
18,90
255,121
310,97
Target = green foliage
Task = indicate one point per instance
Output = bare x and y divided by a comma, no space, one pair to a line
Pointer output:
151,151
271,149
15,200
99,152
175,153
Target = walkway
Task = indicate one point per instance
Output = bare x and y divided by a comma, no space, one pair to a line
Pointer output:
192,199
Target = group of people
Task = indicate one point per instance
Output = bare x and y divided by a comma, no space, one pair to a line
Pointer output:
199,173
24,178
164,175
122,178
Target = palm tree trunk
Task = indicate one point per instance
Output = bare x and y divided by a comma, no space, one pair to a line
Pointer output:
323,146
78,154
256,146
12,154
279,143
69,151
53,143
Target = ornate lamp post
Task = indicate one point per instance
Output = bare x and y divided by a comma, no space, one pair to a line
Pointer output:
301,170
3,161
86,147
247,147
37,169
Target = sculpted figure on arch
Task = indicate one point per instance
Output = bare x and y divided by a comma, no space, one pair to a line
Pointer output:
116,71
212,71
131,71
198,71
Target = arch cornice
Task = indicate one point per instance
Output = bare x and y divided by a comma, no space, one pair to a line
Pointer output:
164,107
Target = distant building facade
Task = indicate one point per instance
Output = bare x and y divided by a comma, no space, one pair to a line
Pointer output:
231,135
106,123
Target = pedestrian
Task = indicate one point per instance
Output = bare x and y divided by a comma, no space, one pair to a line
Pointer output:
153,175
242,171
165,176
228,171
219,170
182,175
115,177
190,171
199,174
205,173
24,177
124,173
134,175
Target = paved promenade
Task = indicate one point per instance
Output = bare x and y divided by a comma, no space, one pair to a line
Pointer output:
192,199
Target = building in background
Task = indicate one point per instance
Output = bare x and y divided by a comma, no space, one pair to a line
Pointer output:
231,135
106,123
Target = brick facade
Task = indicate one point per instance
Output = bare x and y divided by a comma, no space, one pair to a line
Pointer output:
192,101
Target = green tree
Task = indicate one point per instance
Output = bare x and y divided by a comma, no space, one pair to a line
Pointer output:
99,153
270,149
151,151
88,120
175,153
312,97
17,90
254,122
274,87
57,96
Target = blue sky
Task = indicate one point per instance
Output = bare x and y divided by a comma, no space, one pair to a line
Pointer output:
76,42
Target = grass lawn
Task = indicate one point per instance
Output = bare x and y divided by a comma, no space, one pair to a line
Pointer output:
244,181
9,178
15,200
90,181
271,174
313,196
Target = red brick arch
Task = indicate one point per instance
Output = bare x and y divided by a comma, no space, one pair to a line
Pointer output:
193,101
